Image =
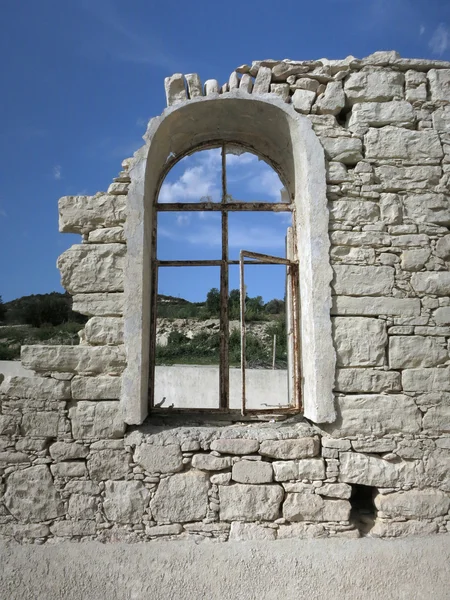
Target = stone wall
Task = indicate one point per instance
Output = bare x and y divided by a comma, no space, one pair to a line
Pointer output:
72,469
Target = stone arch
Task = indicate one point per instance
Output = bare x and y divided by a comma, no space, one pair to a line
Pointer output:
276,132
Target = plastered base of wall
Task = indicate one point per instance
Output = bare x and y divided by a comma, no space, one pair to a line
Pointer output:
408,569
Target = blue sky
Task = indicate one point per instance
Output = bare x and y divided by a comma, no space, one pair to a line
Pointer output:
81,78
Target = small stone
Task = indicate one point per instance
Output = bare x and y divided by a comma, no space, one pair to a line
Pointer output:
302,100
208,462
175,89
246,471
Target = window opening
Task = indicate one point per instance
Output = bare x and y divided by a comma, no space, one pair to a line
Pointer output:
199,193
363,512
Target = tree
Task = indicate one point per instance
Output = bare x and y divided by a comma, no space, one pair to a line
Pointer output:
213,301
3,310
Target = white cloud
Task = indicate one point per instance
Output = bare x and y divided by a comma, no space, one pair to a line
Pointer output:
194,184
57,172
266,182
440,40
183,220
422,30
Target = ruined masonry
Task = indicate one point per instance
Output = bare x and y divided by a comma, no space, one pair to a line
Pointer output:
73,466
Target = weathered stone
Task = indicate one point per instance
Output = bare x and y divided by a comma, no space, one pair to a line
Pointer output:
442,315
347,150
194,85
363,238
79,359
426,380
72,528
375,414
372,306
302,100
104,331
9,424
40,424
280,89
439,80
211,87
250,471
88,488
13,458
410,240
381,445
31,497
421,147
420,177
82,214
414,260
369,381
437,283
406,352
359,341
159,459
221,478
391,209
125,501
335,490
160,530
333,100
235,446
354,211
180,498
400,529
290,449
108,464
209,462
101,305
428,208
311,507
351,280
103,387
443,247
96,420
374,86
308,468
262,81
413,504
371,470
92,268
246,84
301,531
175,89
380,114
337,172
241,502
35,388
60,451
112,235
283,70
437,420
69,469
243,532
82,507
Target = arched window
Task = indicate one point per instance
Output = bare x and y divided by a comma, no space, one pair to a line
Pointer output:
277,133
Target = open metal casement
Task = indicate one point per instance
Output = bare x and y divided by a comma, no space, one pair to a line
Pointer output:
226,205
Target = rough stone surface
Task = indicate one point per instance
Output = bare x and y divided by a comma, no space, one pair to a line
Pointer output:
36,388
101,304
108,464
374,86
208,462
302,101
413,504
104,331
96,420
359,341
380,114
367,381
82,214
125,501
181,497
308,468
241,502
407,352
311,507
371,470
96,388
414,147
290,449
363,281
244,532
159,459
235,446
431,283
249,471
78,359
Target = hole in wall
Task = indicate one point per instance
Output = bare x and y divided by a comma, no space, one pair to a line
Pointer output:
363,511
343,116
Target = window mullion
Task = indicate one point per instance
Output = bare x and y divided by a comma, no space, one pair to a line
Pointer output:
224,319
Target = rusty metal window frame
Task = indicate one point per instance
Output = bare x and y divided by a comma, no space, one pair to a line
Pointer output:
226,205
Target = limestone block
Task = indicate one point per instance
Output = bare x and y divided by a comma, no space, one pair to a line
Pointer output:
437,420
159,530
437,469
159,459
211,87
89,488
108,464
233,81
290,449
111,235
31,496
235,446
413,504
372,470
380,445
92,268
243,532
103,387
96,420
301,531
209,462
375,414
428,208
280,89
82,214
9,424
414,260
181,497
175,89
368,381
426,380
400,529
311,507
125,501
439,80
347,150
82,507
410,240
374,86
443,247
13,458
364,238
246,84
441,119
335,490
437,283
333,100
308,468
302,100
352,256
69,469
408,352
104,331
354,211
240,502
283,70
262,81
60,451
194,85
337,172
352,280
380,114
73,528
101,305
359,341
306,83
442,315
420,147
394,178
118,188
251,471
419,93
79,359
40,424
371,306
35,388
